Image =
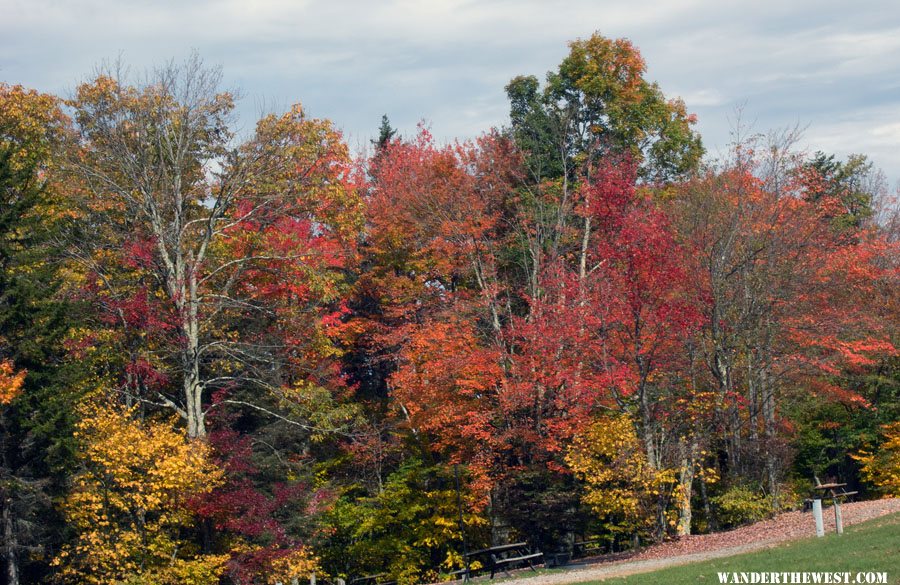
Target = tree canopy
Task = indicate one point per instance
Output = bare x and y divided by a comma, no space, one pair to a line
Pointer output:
243,358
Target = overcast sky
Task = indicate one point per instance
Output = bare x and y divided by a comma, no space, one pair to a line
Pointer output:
832,66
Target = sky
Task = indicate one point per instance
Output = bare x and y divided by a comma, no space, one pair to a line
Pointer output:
831,67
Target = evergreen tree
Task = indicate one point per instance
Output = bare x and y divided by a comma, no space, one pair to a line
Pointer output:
36,443
849,185
386,133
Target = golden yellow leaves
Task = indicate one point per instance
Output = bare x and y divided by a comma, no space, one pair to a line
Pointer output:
129,505
30,123
882,468
298,564
10,382
310,168
621,483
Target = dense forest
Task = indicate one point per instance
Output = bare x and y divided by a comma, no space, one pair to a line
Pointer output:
239,359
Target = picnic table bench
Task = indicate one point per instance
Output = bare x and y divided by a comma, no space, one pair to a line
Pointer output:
579,549
586,547
504,557
464,572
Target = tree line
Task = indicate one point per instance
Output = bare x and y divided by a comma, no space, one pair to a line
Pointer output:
230,359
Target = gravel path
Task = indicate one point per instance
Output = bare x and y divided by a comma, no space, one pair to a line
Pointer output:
690,549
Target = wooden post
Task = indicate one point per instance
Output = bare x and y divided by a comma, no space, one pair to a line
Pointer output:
838,521
817,514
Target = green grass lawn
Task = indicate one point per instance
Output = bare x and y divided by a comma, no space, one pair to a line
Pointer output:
870,546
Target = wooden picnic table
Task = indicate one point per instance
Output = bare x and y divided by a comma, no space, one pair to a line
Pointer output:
836,493
503,557
833,490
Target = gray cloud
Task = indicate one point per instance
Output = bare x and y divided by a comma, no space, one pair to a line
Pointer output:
823,64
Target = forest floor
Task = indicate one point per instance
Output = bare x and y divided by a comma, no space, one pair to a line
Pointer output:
690,549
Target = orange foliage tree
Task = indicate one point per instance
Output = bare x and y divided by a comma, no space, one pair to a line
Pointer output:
789,300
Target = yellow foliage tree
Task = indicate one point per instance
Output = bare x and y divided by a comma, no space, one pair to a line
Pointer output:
129,504
296,566
621,484
32,124
882,468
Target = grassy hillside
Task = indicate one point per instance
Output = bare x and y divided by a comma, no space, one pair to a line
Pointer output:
870,546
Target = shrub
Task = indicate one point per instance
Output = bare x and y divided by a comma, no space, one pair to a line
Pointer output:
741,505
792,494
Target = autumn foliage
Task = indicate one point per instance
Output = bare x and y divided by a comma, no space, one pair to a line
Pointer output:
882,468
10,382
245,358
130,503
623,488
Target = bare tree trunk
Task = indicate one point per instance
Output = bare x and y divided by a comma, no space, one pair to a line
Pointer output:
769,420
754,400
654,462
585,240
688,449
707,508
650,447
193,387
10,542
193,392
771,455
